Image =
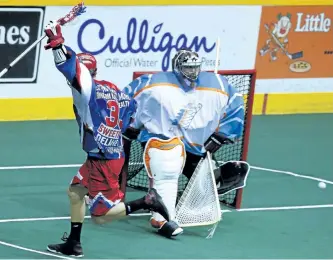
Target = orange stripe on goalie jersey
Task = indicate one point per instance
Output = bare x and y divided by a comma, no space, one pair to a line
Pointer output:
212,89
191,144
155,85
161,145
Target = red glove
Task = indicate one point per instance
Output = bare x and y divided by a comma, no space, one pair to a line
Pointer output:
53,32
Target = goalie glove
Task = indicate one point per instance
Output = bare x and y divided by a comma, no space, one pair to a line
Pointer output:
55,42
215,141
231,176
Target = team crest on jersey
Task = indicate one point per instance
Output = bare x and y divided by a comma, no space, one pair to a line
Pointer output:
186,115
107,135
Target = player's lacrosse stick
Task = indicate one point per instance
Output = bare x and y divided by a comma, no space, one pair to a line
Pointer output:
75,12
291,56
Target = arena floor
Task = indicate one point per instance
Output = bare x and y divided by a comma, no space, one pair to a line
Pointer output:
282,216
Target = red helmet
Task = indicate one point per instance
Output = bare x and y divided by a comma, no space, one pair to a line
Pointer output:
89,61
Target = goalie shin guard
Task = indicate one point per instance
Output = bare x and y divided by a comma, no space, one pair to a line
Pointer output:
164,161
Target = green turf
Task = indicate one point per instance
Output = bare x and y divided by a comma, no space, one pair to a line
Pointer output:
301,144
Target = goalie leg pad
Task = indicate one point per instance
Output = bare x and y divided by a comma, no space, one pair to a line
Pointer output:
164,161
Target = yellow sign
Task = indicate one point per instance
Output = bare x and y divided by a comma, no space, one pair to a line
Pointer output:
163,2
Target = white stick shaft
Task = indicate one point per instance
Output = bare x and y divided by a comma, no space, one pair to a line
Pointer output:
217,55
210,162
4,71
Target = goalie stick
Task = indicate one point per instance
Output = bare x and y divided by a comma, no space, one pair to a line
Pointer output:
199,204
75,12
213,229
291,56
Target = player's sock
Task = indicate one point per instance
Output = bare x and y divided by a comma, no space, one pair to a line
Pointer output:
75,231
135,205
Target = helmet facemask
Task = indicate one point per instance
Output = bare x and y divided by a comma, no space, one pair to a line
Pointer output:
187,64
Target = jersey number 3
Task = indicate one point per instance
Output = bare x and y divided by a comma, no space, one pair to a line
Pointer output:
113,120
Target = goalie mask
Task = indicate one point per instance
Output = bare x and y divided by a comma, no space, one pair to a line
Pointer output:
186,64
89,61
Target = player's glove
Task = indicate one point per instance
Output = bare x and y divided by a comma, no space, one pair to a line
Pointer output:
215,141
55,42
55,38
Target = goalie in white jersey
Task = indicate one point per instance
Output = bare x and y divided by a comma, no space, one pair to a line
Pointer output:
181,115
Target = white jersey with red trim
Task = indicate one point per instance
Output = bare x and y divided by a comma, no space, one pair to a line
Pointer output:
166,109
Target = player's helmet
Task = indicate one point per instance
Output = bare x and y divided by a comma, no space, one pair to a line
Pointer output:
187,64
89,61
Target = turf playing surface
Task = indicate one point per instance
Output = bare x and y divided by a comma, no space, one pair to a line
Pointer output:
297,143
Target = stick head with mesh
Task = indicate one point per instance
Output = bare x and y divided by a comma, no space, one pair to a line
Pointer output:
199,205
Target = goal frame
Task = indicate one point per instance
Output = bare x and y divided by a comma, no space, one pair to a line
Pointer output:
250,100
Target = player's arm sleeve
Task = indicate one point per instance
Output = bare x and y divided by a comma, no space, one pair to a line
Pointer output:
128,115
232,123
65,61
74,71
128,131
136,91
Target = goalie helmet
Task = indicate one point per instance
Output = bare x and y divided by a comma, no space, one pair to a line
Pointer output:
186,64
89,61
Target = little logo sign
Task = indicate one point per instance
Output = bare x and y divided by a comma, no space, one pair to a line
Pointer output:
312,23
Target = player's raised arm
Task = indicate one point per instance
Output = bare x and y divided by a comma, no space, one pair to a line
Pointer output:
67,61
64,57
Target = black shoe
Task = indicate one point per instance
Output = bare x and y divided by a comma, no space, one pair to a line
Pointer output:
155,203
170,229
70,247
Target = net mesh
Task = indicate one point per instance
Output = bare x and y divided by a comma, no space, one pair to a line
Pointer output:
136,175
199,203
